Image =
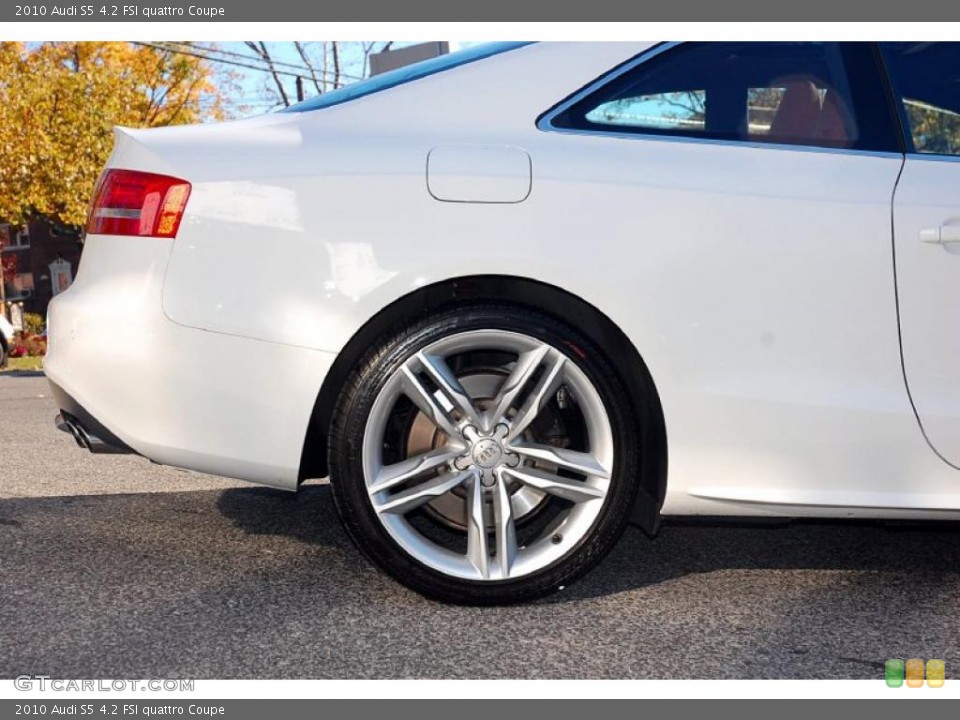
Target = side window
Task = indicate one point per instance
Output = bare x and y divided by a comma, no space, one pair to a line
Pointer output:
681,111
926,78
786,93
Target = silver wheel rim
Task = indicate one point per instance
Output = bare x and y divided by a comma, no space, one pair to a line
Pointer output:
490,458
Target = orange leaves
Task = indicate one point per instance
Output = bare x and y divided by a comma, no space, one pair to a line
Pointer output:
59,102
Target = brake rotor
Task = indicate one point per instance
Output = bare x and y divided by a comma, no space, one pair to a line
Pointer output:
450,509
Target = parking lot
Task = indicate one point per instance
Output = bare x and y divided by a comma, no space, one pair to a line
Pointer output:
114,567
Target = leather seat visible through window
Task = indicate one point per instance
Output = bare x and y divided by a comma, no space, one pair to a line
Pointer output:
833,126
798,114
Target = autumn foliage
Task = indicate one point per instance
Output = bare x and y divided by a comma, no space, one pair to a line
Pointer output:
59,102
9,264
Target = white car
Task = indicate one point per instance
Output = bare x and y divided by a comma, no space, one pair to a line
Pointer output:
6,338
497,294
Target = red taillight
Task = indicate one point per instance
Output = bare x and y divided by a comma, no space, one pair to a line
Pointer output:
127,202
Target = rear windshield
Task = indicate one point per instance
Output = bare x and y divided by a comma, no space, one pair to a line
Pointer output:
403,75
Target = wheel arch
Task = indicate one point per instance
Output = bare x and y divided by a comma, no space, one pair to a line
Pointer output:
534,295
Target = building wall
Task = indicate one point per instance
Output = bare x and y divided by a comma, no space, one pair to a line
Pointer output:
47,244
401,57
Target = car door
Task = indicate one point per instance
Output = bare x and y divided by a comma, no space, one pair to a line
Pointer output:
926,217
745,190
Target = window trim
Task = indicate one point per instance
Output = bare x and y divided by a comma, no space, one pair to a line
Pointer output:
894,106
60,266
15,234
545,121
23,233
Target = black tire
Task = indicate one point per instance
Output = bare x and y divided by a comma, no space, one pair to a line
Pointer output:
350,489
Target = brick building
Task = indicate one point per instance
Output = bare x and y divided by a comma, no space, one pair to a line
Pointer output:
47,257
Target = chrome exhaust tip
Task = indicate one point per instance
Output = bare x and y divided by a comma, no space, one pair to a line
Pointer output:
65,422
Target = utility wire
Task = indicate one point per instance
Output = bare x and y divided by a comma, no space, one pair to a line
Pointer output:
280,63
304,72
287,73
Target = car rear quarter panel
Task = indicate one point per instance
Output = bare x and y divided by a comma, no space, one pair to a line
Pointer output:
328,217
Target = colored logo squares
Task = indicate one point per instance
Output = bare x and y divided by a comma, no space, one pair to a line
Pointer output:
936,673
893,669
913,671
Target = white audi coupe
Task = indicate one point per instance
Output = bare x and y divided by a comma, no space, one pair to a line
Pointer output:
514,298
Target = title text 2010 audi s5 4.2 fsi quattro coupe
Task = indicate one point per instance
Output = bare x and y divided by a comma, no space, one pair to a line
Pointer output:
496,295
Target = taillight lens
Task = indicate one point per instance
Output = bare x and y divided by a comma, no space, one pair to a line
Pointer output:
127,202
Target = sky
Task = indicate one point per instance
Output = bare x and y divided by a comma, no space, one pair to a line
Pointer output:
254,91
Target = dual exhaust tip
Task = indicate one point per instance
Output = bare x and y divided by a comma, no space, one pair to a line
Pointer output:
87,440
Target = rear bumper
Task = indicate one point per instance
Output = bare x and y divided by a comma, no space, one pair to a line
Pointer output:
136,381
89,432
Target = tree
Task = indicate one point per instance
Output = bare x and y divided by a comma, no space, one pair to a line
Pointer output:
8,271
325,65
59,102
934,129
9,266
263,53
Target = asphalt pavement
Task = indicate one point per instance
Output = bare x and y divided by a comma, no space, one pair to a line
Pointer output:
113,567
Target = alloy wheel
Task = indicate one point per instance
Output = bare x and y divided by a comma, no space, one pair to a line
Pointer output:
515,475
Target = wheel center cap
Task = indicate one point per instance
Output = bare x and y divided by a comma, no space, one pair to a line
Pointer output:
487,453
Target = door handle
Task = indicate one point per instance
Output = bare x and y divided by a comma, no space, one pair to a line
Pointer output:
941,235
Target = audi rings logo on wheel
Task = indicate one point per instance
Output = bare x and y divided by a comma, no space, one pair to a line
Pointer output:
487,453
